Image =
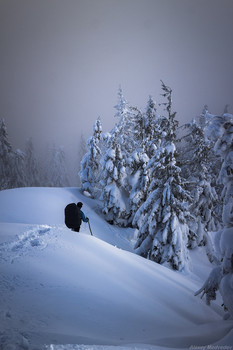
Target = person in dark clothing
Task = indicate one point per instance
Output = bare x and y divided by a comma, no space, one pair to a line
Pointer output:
82,216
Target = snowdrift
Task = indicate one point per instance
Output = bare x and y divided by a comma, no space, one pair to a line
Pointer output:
92,292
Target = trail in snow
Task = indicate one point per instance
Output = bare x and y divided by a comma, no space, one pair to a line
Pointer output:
37,236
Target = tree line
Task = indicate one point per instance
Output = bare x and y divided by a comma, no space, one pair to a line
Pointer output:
23,169
173,183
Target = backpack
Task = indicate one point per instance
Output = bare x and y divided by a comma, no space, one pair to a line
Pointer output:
72,216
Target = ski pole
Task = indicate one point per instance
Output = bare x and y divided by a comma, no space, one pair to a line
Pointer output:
90,227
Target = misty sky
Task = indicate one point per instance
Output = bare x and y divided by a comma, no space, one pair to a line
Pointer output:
62,61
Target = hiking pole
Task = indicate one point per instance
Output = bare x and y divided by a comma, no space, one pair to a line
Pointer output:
90,227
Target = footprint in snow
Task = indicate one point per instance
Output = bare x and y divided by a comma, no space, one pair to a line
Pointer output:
35,242
31,238
43,230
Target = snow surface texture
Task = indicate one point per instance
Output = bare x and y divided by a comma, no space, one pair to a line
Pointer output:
62,290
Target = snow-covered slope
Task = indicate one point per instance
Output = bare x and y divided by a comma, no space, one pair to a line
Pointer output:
62,287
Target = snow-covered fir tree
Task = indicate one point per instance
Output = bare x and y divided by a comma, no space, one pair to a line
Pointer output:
31,165
12,166
90,164
221,276
114,195
6,155
129,125
161,220
122,105
203,118
197,163
163,229
19,170
153,128
150,128
137,180
130,134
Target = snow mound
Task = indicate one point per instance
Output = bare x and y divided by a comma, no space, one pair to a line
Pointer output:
60,287
35,205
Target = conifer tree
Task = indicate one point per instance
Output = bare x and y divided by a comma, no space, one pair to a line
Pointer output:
130,137
7,158
136,136
19,178
114,196
90,164
221,277
122,105
150,128
137,180
31,165
201,185
161,220
136,161
129,125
